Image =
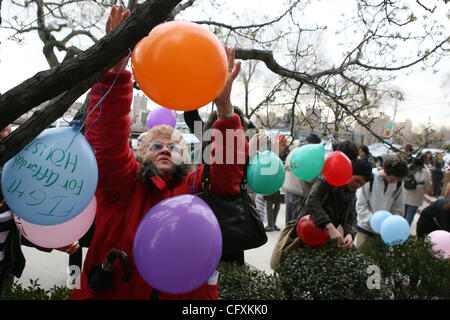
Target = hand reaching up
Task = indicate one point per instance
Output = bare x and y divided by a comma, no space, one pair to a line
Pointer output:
223,99
116,16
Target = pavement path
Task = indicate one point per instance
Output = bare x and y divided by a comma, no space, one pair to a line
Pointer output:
53,268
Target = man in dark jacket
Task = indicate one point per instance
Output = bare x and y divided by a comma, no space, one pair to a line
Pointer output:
434,217
331,206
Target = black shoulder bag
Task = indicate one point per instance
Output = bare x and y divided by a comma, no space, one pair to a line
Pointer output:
411,183
238,219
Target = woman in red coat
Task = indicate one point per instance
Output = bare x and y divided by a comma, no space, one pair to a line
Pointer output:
129,187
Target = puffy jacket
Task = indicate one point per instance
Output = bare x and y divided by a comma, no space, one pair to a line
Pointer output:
122,197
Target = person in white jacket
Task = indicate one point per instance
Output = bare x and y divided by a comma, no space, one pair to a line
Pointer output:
383,192
415,191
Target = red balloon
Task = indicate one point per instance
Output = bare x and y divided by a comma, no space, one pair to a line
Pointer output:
309,233
337,169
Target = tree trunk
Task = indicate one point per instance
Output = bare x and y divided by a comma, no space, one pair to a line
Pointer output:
69,80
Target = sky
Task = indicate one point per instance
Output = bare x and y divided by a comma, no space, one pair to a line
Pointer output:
427,101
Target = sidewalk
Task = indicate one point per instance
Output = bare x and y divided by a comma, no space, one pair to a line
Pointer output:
52,268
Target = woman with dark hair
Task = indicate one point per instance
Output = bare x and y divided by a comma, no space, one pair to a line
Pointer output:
202,129
347,147
364,153
193,119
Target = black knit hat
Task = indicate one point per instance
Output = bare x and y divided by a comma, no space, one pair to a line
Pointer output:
313,138
362,167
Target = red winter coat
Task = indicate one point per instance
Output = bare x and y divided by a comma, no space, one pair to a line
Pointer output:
123,199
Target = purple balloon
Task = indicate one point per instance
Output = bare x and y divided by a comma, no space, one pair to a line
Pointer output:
161,116
178,244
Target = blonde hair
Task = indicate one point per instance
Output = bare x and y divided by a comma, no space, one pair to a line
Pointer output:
167,131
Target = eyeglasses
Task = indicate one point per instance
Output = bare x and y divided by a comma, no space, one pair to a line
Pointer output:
157,146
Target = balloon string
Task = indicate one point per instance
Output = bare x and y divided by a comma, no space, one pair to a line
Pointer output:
76,123
84,119
100,102
112,85
98,117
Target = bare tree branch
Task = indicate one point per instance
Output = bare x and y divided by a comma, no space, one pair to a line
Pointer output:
81,69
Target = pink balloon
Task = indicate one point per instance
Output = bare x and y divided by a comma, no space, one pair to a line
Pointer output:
441,242
58,235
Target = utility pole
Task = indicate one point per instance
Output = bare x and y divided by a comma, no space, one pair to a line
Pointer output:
395,114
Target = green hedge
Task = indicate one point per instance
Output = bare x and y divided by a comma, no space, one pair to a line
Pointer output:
327,272
411,270
34,291
407,271
238,282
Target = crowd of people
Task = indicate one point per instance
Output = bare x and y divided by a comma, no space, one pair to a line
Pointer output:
131,183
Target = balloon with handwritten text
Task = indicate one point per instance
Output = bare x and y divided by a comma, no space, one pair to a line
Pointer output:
180,65
59,235
52,179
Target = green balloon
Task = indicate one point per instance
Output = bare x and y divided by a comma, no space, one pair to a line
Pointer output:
265,173
307,161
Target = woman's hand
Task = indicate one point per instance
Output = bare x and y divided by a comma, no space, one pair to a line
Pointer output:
335,234
116,16
223,99
348,242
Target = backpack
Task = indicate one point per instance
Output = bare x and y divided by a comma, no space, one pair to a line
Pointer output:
411,183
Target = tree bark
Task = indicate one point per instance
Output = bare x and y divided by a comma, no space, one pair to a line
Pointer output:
72,78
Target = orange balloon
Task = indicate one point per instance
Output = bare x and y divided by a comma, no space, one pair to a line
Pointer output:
180,65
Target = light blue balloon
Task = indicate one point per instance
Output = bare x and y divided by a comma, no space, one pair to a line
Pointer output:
307,161
377,218
394,230
52,179
265,173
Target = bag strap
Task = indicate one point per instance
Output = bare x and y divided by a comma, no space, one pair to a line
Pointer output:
304,200
192,188
206,179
